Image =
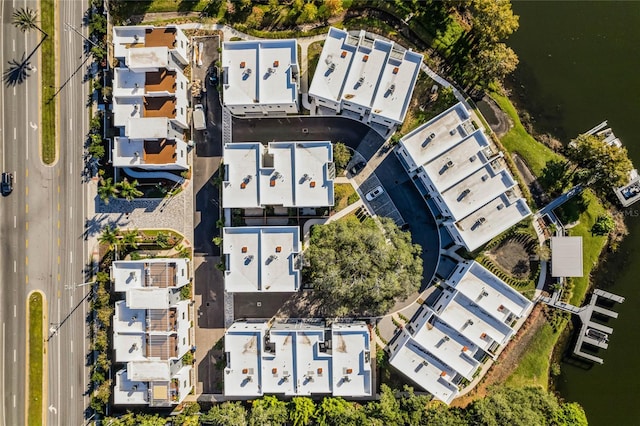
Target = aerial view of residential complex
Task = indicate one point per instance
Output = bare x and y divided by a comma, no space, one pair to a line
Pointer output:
318,212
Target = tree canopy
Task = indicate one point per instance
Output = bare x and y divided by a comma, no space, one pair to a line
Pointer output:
599,165
361,268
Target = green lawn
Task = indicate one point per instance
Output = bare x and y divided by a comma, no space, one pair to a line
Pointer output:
49,86
313,55
344,196
534,153
36,354
592,245
533,367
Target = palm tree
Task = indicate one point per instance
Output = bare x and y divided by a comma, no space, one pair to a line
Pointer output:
107,189
109,236
129,190
26,19
130,238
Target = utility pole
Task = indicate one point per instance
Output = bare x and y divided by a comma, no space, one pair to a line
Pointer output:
79,33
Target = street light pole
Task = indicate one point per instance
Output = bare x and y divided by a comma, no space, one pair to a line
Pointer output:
79,33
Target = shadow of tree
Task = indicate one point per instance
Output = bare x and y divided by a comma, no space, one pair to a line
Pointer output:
17,72
570,211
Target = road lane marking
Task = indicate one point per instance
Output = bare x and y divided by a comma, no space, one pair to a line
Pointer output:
15,311
26,243
70,212
26,260
58,259
15,266
26,279
26,172
13,42
58,206
26,208
70,168
15,355
58,223
71,389
70,257
14,90
26,188
15,134
26,225
58,189
14,400
15,221
72,352
58,241
58,281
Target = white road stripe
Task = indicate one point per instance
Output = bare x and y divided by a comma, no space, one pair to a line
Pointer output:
72,346
15,311
13,42
15,355
14,134
70,168
71,257
15,264
15,221
71,212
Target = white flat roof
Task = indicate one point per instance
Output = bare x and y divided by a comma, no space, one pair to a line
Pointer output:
147,128
566,257
337,52
293,358
499,215
130,152
127,391
261,258
128,83
471,321
350,351
447,130
148,298
445,343
243,374
396,85
424,369
149,371
125,109
457,163
259,72
129,347
488,291
291,174
158,272
127,320
477,190
364,74
148,57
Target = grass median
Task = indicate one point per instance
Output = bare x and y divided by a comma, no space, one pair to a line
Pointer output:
48,64
36,356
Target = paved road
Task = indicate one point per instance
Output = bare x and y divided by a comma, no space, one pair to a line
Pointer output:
19,141
335,129
68,254
41,223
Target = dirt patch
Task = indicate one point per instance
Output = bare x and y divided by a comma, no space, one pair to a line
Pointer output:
508,359
499,122
512,257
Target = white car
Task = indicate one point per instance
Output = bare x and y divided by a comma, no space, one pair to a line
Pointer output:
374,193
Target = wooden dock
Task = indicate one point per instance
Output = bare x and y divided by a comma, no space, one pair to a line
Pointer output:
591,332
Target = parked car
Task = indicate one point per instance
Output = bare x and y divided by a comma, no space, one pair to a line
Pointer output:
374,193
199,117
213,76
7,183
357,168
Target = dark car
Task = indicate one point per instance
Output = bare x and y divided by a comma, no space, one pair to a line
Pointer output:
357,168
213,76
7,183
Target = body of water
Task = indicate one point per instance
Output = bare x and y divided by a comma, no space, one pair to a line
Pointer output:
579,65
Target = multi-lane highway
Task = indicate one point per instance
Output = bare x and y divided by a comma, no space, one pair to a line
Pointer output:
41,222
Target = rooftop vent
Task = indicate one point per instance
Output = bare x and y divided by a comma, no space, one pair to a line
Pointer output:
500,206
243,64
449,164
473,158
452,132
483,335
278,249
276,63
244,249
464,349
343,54
312,184
432,136
135,37
443,373
361,80
485,177
395,70
332,66
365,58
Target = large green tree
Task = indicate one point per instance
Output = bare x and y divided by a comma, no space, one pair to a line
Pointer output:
268,411
493,20
493,63
599,165
226,414
302,411
338,412
362,268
